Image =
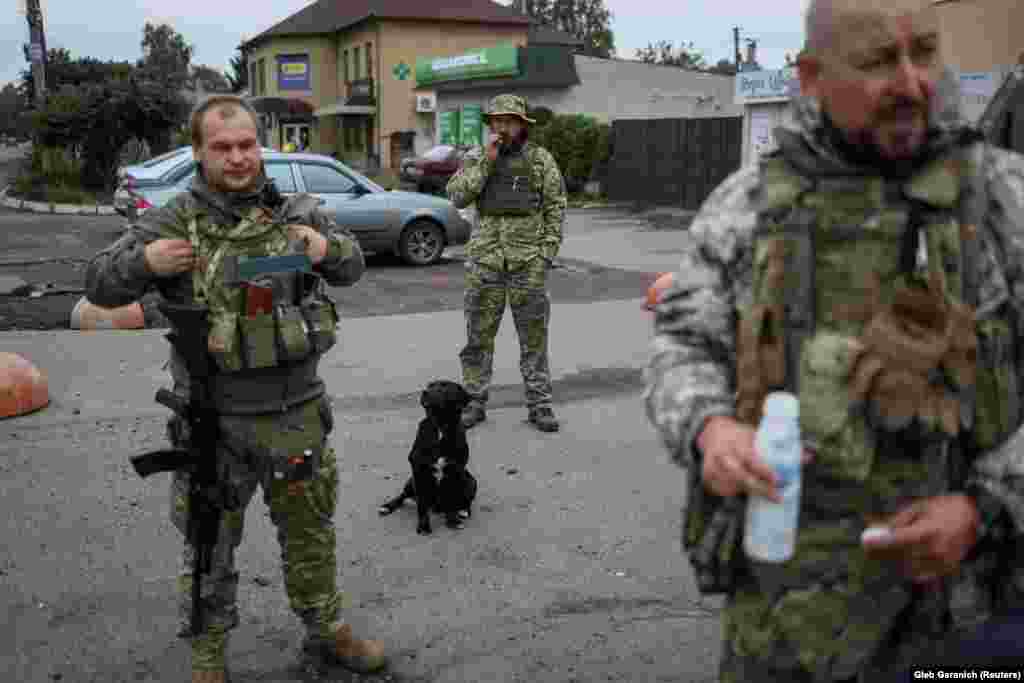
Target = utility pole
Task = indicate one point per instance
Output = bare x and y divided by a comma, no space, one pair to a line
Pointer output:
37,49
737,57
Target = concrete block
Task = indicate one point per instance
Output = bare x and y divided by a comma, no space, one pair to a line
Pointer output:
106,211
12,202
67,209
37,207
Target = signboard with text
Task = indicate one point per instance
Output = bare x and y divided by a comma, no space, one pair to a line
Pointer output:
293,73
486,62
779,85
448,123
472,127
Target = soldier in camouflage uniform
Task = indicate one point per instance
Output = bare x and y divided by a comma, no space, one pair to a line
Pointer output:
871,264
267,390
521,198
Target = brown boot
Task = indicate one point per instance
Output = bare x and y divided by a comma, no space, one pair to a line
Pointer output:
360,656
199,676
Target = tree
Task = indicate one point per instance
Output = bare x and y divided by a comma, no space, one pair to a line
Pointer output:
663,52
12,105
587,20
166,57
238,77
208,79
62,69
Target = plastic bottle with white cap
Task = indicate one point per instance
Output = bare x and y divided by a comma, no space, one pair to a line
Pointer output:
771,527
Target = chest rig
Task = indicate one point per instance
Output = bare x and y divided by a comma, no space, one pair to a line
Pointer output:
512,188
268,309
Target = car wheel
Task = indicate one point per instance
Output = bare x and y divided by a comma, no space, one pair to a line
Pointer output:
421,244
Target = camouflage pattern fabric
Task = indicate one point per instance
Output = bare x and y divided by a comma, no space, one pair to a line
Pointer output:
692,376
302,513
486,293
513,241
508,105
508,257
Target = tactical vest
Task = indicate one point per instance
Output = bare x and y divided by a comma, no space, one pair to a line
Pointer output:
511,189
864,296
268,333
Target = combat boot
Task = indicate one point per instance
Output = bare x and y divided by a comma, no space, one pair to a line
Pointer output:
360,656
543,418
472,415
206,676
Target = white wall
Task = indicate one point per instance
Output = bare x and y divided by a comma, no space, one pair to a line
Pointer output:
619,89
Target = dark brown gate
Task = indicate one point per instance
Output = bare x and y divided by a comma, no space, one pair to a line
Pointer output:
672,161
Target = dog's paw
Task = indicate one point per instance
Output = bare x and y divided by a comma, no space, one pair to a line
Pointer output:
423,529
464,514
384,510
455,521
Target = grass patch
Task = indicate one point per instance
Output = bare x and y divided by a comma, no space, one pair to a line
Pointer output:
33,187
584,200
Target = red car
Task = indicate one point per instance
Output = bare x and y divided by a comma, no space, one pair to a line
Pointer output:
432,170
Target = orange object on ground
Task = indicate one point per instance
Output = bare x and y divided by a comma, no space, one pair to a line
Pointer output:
23,386
88,316
663,282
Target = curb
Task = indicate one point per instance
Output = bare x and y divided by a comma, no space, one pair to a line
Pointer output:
49,207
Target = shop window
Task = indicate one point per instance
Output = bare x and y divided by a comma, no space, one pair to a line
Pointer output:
261,72
325,180
344,66
356,65
369,60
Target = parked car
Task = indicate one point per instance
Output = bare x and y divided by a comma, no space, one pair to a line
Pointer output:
416,227
431,171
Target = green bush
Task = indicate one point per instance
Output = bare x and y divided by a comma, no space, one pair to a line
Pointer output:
579,143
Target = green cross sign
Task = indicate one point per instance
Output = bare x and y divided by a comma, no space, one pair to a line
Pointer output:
401,71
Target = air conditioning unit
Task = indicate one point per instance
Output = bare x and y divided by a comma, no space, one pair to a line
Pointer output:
426,103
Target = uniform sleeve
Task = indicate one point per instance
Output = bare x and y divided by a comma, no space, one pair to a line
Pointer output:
552,208
690,376
344,263
1000,472
119,275
466,185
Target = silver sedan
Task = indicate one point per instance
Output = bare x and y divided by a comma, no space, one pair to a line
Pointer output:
416,227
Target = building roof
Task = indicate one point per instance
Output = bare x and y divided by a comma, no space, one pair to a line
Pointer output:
329,16
540,66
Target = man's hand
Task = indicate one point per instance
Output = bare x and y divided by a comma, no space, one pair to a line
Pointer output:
929,538
731,465
316,244
167,257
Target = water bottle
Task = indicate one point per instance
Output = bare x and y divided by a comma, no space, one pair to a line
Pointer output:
771,527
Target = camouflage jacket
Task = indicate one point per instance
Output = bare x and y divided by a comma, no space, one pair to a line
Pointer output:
691,374
118,275
514,240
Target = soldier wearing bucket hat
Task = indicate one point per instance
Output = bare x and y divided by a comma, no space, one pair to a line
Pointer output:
521,198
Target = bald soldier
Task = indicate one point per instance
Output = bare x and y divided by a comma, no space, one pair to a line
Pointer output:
872,265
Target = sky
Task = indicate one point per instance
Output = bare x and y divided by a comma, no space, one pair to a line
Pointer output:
216,28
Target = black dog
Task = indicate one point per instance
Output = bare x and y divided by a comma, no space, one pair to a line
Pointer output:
440,481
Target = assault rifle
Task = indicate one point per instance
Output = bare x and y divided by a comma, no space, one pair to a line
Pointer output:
209,496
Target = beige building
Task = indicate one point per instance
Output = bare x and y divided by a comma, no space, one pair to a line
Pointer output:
341,73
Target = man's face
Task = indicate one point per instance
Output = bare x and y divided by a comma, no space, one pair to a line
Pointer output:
230,153
877,78
506,128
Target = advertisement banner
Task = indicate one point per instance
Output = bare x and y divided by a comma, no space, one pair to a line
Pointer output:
293,73
472,125
448,123
766,86
486,62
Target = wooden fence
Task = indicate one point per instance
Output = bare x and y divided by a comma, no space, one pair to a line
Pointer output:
672,161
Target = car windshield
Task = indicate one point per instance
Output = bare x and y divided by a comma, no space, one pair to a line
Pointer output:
439,153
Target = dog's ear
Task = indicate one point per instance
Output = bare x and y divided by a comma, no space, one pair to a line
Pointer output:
464,397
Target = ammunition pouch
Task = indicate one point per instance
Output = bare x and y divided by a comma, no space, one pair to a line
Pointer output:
915,366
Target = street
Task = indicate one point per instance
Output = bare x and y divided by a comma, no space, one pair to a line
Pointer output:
569,570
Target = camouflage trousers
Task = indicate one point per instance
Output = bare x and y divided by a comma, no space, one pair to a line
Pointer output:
829,633
302,512
486,293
